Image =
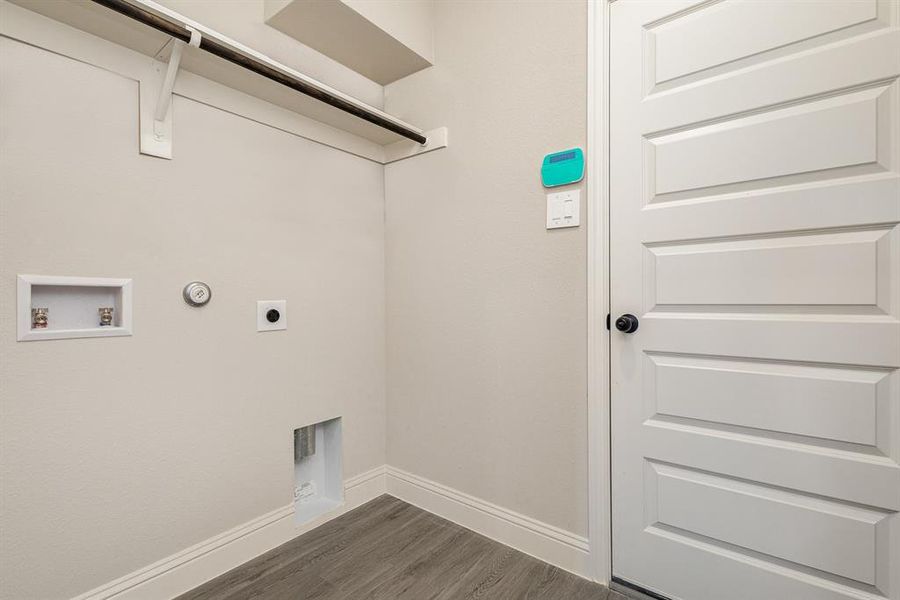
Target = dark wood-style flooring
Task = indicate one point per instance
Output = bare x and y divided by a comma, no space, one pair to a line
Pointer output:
390,550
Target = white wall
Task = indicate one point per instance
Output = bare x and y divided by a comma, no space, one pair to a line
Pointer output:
487,309
118,452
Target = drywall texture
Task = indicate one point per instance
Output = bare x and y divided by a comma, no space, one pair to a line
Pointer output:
486,308
118,452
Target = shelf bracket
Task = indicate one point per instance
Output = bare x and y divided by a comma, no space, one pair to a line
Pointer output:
436,139
156,117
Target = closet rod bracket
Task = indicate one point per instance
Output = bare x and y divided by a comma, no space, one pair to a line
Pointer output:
156,139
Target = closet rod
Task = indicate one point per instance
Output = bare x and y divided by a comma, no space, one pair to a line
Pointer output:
179,31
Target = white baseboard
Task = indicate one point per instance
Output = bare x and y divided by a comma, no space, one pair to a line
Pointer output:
185,570
540,540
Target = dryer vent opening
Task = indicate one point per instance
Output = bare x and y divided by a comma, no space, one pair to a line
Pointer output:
318,474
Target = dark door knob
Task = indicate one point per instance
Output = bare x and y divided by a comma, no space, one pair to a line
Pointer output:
627,323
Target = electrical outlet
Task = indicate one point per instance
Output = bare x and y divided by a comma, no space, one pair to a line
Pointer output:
271,315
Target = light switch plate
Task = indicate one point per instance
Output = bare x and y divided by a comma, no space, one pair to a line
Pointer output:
564,209
262,309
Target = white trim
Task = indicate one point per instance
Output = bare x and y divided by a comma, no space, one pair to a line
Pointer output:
191,567
550,544
28,27
40,31
599,444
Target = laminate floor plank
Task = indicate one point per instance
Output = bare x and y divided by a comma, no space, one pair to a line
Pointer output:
386,552
303,552
481,577
364,572
390,550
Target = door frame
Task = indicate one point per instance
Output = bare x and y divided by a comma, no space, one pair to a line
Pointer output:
598,287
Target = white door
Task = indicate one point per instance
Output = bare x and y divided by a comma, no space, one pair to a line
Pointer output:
755,201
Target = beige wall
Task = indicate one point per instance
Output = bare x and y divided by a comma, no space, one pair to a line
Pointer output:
411,22
118,452
487,309
384,40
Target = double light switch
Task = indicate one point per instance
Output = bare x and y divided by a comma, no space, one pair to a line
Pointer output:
564,209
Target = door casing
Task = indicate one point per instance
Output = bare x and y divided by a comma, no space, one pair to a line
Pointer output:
599,446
